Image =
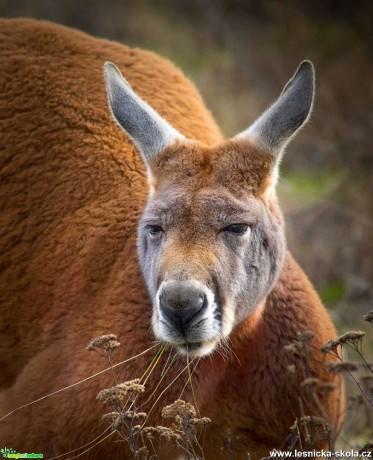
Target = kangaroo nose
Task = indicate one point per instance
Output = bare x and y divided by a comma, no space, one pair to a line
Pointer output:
180,302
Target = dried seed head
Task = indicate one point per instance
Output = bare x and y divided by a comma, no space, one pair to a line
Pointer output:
179,408
356,400
351,336
118,394
131,389
367,448
135,416
111,417
200,421
319,423
325,388
330,346
369,317
310,382
291,368
162,432
291,349
306,336
109,396
336,368
304,339
106,343
132,385
114,419
142,453
314,419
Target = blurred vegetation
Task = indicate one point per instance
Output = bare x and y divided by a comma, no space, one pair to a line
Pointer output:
240,53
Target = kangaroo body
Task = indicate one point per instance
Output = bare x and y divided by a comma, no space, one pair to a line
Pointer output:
72,191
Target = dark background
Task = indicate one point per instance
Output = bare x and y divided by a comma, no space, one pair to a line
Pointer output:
240,54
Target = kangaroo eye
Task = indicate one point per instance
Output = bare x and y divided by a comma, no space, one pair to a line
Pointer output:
155,230
236,229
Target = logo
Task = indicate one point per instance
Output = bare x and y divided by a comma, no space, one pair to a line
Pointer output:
8,452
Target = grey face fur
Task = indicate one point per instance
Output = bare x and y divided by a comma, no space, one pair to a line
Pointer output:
234,271
210,249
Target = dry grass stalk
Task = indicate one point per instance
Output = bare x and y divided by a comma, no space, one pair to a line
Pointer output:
146,442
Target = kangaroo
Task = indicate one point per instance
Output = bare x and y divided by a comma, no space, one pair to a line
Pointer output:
156,229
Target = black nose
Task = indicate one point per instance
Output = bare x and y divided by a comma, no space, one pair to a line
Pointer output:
180,302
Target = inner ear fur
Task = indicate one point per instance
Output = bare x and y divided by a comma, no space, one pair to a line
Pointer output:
278,124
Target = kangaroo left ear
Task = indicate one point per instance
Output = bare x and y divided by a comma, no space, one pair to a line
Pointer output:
148,130
274,129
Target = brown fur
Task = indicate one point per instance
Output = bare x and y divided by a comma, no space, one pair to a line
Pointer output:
239,166
72,191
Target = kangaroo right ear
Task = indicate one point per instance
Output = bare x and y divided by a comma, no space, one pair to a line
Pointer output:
278,124
148,130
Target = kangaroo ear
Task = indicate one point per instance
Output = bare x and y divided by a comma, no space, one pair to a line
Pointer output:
148,130
278,124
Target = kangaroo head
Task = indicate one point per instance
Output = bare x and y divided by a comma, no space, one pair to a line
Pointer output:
211,240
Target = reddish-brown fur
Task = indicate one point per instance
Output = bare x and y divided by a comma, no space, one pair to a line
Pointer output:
72,190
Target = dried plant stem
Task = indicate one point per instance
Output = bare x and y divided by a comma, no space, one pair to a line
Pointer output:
168,386
150,367
94,445
186,383
361,388
356,348
191,384
112,368
339,412
308,435
77,383
85,445
161,379
155,363
359,352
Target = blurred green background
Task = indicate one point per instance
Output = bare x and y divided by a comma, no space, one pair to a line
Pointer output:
240,54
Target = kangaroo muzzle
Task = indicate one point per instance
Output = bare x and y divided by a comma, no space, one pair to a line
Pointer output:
186,316
182,304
